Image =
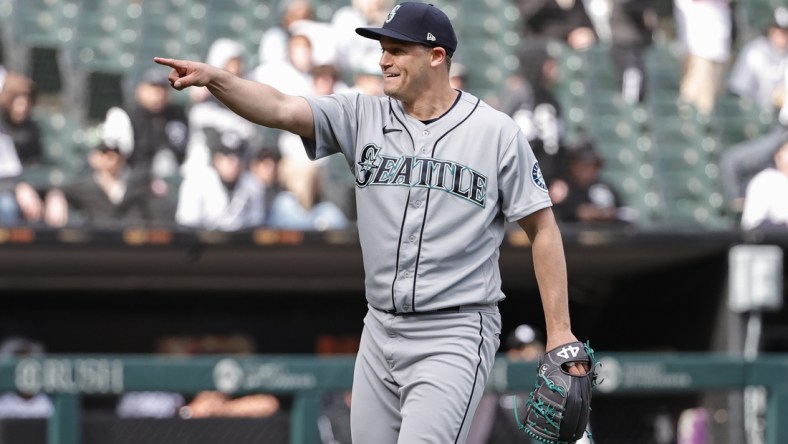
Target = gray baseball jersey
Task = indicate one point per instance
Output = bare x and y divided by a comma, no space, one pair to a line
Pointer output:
431,197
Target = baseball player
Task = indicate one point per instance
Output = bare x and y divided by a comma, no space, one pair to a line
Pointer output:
437,173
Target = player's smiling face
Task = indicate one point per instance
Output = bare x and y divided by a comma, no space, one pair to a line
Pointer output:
404,67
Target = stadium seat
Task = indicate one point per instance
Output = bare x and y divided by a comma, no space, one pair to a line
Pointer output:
107,37
47,23
65,142
100,55
637,191
64,151
737,119
241,20
599,72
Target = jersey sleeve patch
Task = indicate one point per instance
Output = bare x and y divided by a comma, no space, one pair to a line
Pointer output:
538,179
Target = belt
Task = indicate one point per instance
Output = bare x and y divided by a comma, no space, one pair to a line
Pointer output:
455,309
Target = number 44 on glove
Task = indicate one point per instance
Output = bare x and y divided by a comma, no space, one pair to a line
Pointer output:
558,408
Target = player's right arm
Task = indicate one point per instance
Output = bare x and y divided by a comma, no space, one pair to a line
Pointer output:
256,102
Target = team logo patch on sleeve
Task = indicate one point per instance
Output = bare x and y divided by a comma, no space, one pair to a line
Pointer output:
536,176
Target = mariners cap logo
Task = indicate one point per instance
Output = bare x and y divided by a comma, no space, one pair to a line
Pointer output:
416,23
392,13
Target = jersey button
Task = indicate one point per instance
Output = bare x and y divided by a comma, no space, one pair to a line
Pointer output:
406,273
425,133
406,307
417,203
412,238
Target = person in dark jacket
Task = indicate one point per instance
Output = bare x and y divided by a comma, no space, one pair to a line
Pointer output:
113,195
159,130
582,196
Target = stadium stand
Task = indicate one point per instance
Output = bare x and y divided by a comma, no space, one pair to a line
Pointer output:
658,151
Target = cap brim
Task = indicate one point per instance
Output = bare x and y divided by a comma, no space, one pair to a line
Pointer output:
377,33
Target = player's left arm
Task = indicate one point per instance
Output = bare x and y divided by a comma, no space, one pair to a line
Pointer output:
550,268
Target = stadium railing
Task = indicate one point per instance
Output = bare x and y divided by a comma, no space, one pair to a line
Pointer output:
68,377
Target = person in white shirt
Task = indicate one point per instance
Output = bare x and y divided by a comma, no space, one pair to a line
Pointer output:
740,162
206,111
765,202
704,29
353,51
224,196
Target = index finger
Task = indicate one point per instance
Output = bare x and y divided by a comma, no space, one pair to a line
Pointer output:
172,63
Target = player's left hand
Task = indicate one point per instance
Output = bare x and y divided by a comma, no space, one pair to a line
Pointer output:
558,409
556,340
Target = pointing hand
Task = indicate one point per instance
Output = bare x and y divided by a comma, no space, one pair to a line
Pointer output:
186,73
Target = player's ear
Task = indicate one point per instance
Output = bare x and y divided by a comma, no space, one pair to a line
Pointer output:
438,55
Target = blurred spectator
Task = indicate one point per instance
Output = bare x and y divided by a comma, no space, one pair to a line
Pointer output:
19,201
111,195
582,196
334,183
740,162
273,44
20,147
291,75
17,99
209,403
149,405
326,80
704,28
323,38
457,75
20,405
632,24
563,20
300,176
368,77
529,99
3,75
353,52
224,196
525,343
153,404
494,421
159,131
765,202
298,19
207,111
757,73
693,426
264,166
334,420
283,208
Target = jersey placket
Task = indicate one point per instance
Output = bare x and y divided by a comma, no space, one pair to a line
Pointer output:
405,286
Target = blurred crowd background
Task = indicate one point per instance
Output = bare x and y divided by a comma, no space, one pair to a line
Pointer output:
656,113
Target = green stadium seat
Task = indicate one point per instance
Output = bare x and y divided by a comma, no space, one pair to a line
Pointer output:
47,23
736,119
107,38
64,153
65,144
599,72
637,190
241,20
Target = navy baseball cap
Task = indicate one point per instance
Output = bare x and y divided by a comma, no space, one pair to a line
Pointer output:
417,23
